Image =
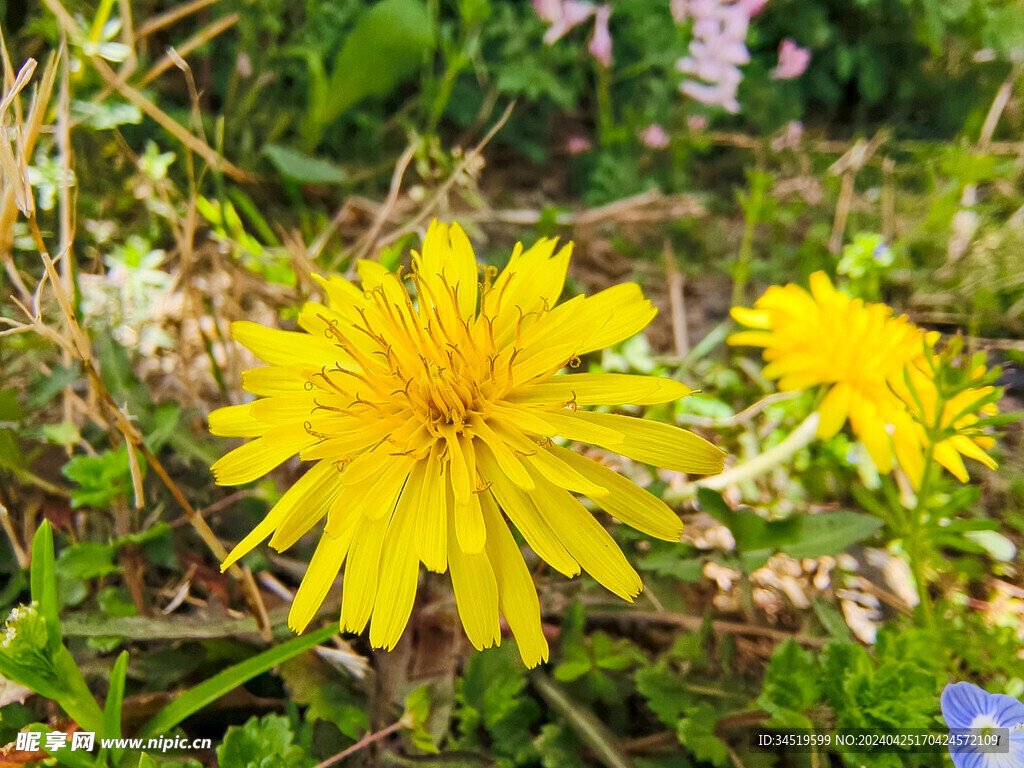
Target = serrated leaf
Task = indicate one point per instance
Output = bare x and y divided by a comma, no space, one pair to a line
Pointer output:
792,684
696,733
86,560
665,693
260,743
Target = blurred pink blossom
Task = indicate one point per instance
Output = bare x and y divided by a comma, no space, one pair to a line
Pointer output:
654,136
577,145
601,41
696,123
718,48
562,15
793,61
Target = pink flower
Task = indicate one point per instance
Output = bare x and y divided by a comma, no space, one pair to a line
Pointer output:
793,61
548,10
654,136
696,123
723,96
601,41
577,145
562,15
718,48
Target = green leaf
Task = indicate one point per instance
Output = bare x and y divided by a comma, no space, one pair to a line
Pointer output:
417,709
558,747
43,580
587,726
193,700
832,620
314,685
65,433
388,44
58,378
830,533
696,732
101,478
792,684
9,408
112,707
664,691
670,561
994,543
573,669
260,743
491,695
86,560
295,165
714,504
10,451
164,423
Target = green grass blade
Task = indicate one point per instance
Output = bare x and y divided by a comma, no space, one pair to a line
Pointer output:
43,582
206,692
115,700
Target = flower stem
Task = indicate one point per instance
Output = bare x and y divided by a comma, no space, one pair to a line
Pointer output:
914,541
799,438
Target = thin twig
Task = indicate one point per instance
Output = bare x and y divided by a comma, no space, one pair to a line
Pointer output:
738,418
748,470
165,121
170,17
19,552
677,302
470,157
200,38
131,434
369,241
695,623
364,742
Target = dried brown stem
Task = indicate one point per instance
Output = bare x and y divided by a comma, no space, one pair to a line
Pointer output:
694,623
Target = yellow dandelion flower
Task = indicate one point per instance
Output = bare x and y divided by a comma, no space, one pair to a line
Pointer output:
951,423
431,423
826,338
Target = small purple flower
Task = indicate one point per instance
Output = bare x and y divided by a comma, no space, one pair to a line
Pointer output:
965,705
793,61
654,136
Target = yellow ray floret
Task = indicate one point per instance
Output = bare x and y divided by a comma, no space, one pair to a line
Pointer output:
862,354
430,405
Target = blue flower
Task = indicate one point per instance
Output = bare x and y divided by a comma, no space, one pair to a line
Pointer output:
967,706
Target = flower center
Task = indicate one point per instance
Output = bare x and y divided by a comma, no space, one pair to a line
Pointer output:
423,367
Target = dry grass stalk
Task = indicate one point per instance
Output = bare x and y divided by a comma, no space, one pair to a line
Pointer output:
18,197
